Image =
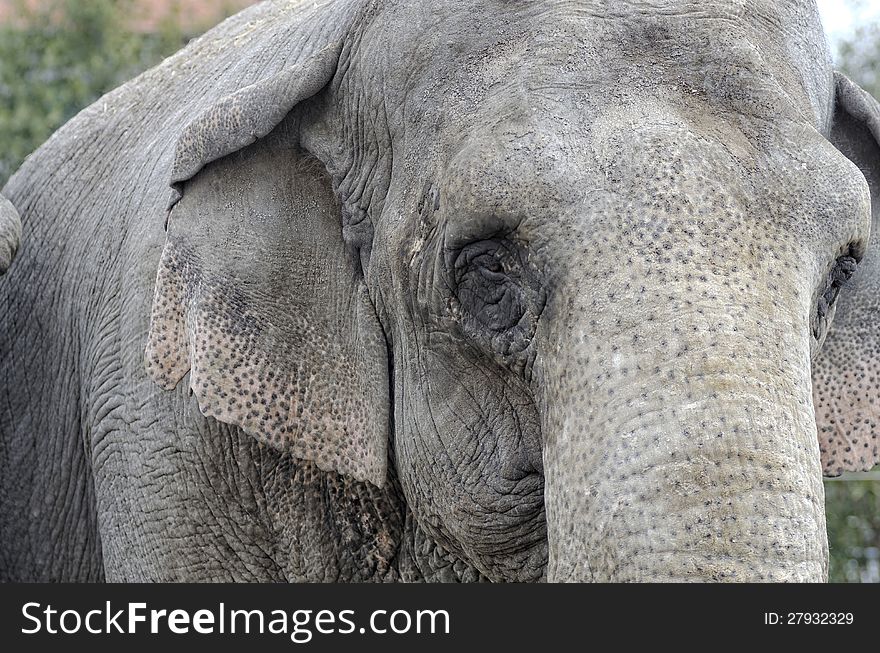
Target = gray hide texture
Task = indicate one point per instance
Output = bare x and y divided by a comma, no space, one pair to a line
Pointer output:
523,291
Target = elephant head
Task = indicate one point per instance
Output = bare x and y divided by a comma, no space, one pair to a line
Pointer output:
10,233
560,270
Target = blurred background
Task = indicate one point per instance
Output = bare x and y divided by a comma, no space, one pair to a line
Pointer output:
58,56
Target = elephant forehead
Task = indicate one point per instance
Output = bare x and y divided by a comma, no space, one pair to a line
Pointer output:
456,61
657,155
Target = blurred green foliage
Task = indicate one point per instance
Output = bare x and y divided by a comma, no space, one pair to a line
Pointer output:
59,58
853,513
859,57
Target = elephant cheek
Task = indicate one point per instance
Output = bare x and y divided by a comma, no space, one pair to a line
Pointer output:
683,466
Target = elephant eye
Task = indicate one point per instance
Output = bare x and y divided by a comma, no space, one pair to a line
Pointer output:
487,285
495,294
843,269
841,272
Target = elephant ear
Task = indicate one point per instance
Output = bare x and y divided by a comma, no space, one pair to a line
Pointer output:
257,295
846,373
10,233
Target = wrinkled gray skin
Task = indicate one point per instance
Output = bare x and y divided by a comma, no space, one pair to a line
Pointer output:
10,234
525,291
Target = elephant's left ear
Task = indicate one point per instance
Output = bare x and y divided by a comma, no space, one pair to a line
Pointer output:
846,373
258,296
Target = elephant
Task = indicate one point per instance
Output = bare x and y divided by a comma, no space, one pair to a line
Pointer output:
385,290
10,234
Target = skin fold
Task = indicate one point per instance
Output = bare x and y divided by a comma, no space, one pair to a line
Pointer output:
10,233
390,290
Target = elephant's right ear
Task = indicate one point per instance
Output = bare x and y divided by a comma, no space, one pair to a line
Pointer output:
10,233
257,294
846,373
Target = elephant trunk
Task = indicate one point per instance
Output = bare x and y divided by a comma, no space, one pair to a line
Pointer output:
682,447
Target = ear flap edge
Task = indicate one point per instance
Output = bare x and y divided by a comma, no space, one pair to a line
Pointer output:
243,299
240,119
